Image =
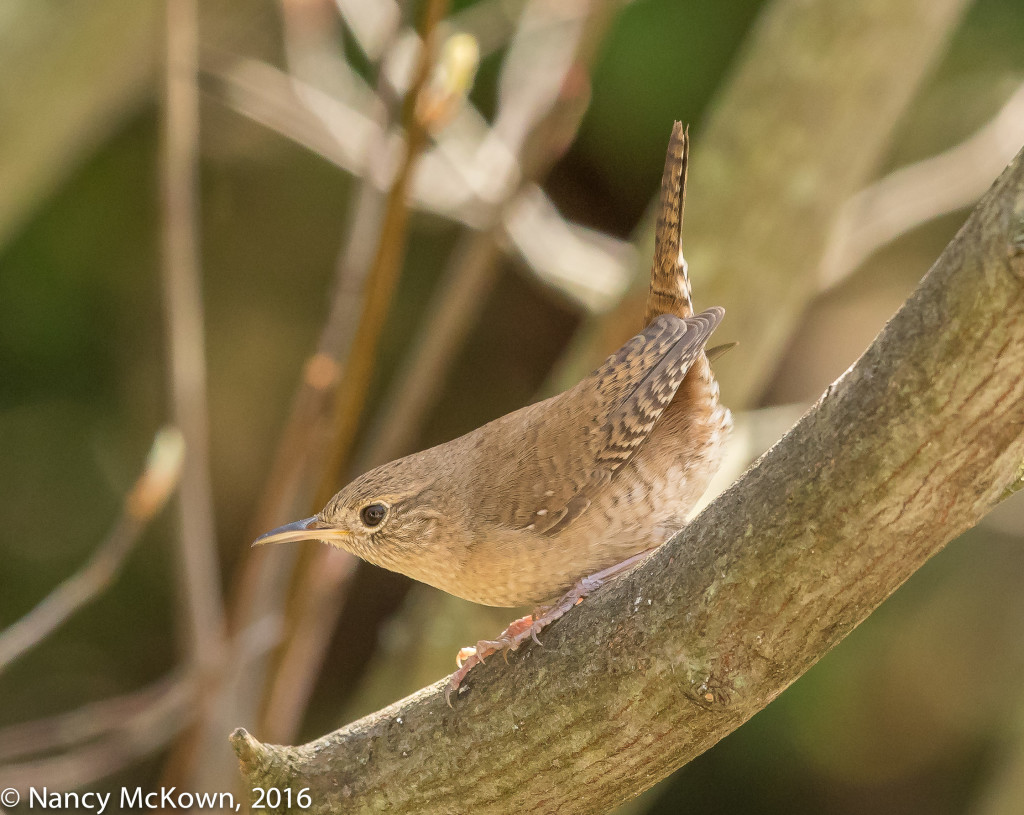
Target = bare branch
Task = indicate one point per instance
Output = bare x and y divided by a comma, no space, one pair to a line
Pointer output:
385,269
120,733
373,24
538,120
200,569
318,583
312,37
146,499
90,721
910,447
448,180
915,194
262,585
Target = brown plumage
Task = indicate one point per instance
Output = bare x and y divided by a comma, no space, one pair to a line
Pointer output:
519,510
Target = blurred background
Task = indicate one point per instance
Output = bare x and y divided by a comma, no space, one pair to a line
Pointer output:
303,195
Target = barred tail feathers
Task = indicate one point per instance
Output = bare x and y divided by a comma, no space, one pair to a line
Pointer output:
670,284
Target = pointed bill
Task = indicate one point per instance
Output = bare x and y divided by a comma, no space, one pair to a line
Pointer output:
304,530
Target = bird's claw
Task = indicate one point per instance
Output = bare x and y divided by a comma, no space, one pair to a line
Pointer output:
528,627
510,640
456,678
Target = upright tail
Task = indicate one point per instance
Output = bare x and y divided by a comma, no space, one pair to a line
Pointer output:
670,285
695,404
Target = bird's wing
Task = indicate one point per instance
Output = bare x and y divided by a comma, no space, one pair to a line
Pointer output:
621,402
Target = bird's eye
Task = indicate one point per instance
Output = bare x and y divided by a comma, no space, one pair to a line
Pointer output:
373,514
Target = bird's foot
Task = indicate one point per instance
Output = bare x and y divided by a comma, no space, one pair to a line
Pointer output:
529,626
511,638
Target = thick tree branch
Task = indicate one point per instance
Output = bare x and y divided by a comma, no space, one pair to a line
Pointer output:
915,443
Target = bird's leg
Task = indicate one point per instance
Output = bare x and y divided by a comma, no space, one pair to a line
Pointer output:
509,639
529,626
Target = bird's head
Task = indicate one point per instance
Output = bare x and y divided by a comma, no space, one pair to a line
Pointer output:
386,516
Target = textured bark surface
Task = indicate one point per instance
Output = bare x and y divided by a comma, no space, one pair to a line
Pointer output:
915,443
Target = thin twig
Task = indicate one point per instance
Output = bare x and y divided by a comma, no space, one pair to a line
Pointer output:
140,733
539,122
385,270
148,495
311,32
461,295
373,25
199,579
319,600
198,567
317,584
90,721
921,192
590,268
261,585
537,125
267,575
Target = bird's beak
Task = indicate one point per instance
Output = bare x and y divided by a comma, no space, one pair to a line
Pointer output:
304,530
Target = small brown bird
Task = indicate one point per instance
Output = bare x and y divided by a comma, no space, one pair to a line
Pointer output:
551,500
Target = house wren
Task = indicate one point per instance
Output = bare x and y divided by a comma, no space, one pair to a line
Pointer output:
560,495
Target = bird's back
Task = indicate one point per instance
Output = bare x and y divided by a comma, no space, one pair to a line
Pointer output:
651,495
574,484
